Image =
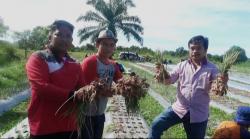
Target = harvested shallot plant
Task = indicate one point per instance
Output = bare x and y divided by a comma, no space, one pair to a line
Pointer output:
132,88
219,86
161,72
82,98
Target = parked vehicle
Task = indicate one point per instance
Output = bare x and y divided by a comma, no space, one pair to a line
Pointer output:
131,56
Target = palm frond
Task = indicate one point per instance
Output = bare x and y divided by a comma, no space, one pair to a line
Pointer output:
129,31
91,16
85,35
91,2
119,7
125,33
228,60
129,3
159,56
88,29
104,9
134,26
133,19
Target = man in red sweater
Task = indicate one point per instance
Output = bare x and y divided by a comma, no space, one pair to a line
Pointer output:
99,66
53,76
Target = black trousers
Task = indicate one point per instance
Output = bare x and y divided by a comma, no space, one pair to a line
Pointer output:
93,127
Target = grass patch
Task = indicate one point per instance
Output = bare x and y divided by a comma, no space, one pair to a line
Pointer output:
242,67
150,108
81,55
12,79
10,118
216,117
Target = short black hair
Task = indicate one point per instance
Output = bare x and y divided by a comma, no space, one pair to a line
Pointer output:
199,39
59,23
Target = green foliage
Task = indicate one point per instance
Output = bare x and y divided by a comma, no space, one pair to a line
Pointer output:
39,37
181,51
228,60
34,39
215,58
12,79
81,55
90,47
11,54
242,67
242,56
150,108
8,53
159,57
110,15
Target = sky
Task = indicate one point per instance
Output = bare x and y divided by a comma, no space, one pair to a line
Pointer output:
168,24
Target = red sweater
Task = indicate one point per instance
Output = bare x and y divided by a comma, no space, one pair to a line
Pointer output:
89,68
49,90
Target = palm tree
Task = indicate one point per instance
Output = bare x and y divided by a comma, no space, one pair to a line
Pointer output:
110,15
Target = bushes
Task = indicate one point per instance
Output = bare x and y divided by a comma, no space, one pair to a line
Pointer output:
8,53
12,79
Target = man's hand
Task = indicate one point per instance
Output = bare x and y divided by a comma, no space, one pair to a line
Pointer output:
225,78
158,79
79,93
167,82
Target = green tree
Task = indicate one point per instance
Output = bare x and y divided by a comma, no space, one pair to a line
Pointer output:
215,58
22,39
39,37
181,51
89,47
111,15
242,56
35,39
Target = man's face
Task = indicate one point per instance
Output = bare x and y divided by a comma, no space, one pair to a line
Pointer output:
106,47
197,52
61,40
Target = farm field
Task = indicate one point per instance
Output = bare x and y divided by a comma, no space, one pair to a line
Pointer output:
222,108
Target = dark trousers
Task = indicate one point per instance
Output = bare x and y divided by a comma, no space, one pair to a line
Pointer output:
168,118
61,135
93,127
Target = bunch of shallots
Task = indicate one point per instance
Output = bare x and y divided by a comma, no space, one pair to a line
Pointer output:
161,73
219,85
83,97
89,92
132,88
